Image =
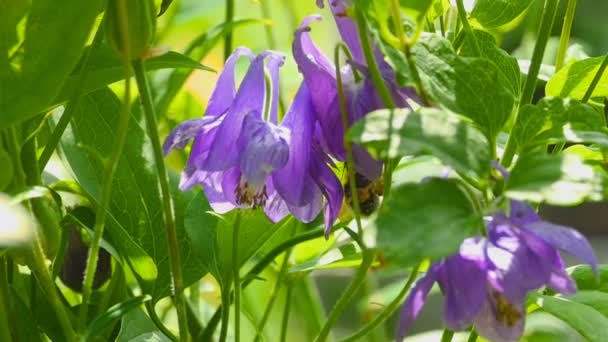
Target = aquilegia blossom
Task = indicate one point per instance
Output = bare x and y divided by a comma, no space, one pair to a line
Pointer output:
487,281
241,155
361,96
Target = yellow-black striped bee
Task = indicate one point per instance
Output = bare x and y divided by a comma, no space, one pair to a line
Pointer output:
368,193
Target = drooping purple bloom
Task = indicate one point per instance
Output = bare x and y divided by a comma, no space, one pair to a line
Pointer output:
486,282
361,96
241,155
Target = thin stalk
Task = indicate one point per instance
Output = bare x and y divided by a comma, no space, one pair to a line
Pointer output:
158,321
462,14
273,296
447,335
286,311
442,25
565,36
347,296
388,311
473,336
228,36
14,149
350,159
6,316
73,103
406,47
225,311
110,168
236,276
544,32
168,213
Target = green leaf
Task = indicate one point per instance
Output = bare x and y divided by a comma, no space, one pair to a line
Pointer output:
464,85
447,136
54,39
427,220
113,313
554,119
347,256
6,176
437,9
595,299
134,225
24,326
416,9
574,80
507,65
586,280
137,327
556,179
495,13
106,68
586,320
213,236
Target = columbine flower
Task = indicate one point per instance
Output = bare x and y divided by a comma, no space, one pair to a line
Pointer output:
486,282
243,158
361,96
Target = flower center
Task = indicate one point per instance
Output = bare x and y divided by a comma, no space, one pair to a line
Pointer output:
249,195
506,313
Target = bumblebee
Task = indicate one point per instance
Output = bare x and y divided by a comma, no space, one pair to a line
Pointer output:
368,193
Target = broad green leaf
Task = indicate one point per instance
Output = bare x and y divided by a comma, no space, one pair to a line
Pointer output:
586,280
464,85
508,67
135,225
347,256
6,176
437,9
136,326
106,68
495,13
595,299
555,119
416,9
24,326
586,320
427,220
114,313
10,15
447,136
574,80
213,236
54,39
556,179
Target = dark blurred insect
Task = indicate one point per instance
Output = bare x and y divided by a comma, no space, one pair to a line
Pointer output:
76,253
368,193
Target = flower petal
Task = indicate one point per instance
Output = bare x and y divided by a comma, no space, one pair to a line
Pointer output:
415,301
293,181
491,323
212,186
264,149
182,134
224,153
348,29
273,66
330,186
224,91
275,208
365,164
522,213
566,239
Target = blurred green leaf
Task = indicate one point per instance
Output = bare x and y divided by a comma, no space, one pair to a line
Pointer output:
427,220
555,119
556,179
586,320
586,280
347,256
595,299
137,327
440,133
106,68
6,176
135,224
574,80
114,313
416,9
495,13
54,39
24,325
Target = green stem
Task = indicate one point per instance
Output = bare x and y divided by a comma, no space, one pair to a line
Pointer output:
447,335
273,296
168,213
225,311
565,36
236,276
72,105
286,312
596,80
228,36
462,14
350,160
347,296
110,168
7,326
548,17
473,336
39,267
389,311
158,321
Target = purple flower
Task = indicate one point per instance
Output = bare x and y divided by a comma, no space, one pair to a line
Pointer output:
241,155
361,96
486,282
